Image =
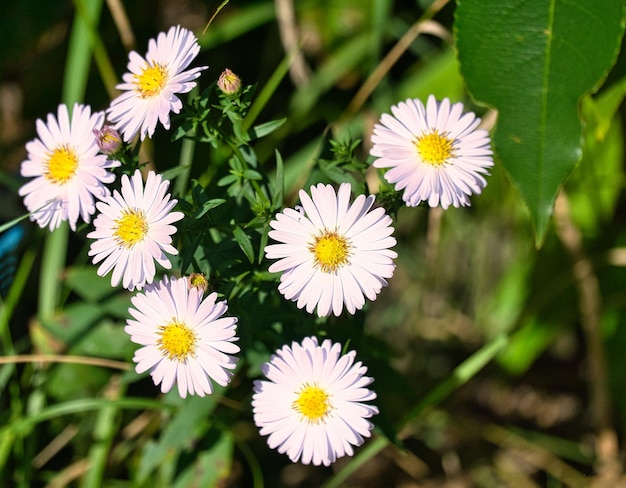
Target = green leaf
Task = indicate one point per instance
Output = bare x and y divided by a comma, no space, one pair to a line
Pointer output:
250,174
527,344
262,130
85,282
210,205
533,60
170,174
244,242
73,321
210,467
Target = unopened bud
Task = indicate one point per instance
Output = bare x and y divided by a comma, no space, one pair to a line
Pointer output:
197,280
108,139
229,83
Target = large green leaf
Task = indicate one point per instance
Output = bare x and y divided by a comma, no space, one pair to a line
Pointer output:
533,60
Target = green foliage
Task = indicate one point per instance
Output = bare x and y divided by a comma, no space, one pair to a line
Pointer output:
478,309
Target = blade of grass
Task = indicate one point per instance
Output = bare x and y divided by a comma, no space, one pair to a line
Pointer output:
15,292
23,425
74,85
103,63
80,51
266,93
104,432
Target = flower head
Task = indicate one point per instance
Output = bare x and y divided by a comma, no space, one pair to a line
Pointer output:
435,153
133,230
66,168
312,404
185,338
151,86
332,254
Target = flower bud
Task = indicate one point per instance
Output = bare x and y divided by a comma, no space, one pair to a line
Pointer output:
229,83
108,139
197,280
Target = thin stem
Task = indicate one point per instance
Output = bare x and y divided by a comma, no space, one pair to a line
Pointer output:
51,358
423,24
186,156
52,263
74,85
590,307
266,93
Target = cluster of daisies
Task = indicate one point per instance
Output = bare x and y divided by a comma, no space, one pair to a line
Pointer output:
333,252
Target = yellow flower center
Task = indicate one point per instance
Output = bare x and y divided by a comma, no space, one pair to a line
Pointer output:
331,251
130,228
177,341
435,148
151,81
62,165
312,403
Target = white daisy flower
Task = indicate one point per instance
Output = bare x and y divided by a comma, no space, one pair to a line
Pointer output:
151,86
332,254
66,168
312,408
133,230
185,338
435,153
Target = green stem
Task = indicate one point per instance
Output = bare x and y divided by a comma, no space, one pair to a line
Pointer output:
52,263
186,156
254,183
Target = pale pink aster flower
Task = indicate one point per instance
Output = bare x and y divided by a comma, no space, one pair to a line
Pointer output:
185,338
133,230
436,153
312,405
151,86
66,168
332,253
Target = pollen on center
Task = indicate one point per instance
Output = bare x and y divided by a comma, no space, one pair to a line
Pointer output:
435,148
331,251
313,403
151,81
61,165
177,341
130,228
